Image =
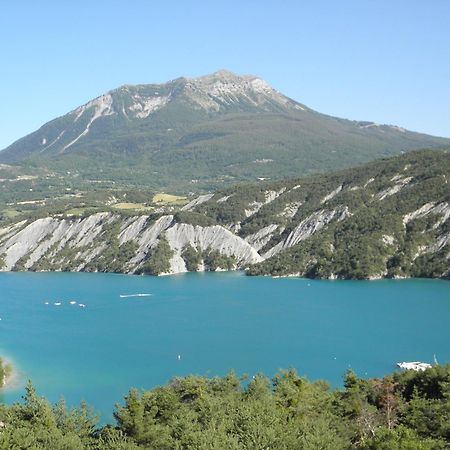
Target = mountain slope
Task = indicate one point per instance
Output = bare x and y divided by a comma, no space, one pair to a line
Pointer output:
388,218
203,132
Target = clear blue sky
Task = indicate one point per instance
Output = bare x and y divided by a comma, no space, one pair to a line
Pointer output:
386,61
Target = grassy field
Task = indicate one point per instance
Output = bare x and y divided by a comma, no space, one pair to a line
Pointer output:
169,199
132,206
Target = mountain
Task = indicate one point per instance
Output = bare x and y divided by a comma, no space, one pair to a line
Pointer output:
388,218
198,133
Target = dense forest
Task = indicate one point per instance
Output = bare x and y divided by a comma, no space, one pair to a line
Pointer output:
408,410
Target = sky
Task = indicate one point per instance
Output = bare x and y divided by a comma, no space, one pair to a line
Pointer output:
378,60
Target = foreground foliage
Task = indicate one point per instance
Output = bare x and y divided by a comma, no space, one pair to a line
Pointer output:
401,411
5,372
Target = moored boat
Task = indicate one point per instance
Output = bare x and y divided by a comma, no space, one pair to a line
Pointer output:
414,365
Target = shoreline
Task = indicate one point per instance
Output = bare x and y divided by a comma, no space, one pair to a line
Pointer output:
12,378
243,271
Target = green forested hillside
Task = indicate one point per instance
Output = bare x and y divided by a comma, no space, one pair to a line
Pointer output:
203,133
402,411
388,218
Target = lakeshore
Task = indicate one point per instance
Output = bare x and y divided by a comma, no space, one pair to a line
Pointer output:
207,324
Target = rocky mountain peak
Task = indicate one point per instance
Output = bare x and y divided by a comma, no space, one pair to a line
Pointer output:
228,81
213,92
223,89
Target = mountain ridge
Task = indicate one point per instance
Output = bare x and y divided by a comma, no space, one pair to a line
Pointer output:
204,132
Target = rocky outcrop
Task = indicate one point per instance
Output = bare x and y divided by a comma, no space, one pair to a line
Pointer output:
33,241
259,239
215,238
441,209
149,237
308,227
224,198
197,201
26,241
131,228
80,243
270,196
290,210
400,183
331,195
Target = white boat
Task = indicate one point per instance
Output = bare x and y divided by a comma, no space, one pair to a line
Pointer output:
414,365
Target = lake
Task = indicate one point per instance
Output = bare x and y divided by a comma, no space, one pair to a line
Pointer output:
208,324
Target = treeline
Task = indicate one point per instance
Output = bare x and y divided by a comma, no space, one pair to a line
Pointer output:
406,410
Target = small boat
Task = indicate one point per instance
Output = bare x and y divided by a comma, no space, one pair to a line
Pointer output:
73,302
57,303
81,305
414,365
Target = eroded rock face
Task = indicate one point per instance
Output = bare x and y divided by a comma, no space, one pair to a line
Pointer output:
270,196
259,239
307,227
213,237
197,201
26,241
149,237
25,245
400,183
34,240
331,195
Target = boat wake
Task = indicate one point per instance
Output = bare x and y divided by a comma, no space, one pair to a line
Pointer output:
135,295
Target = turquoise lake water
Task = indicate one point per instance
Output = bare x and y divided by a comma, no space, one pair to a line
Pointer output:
214,322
